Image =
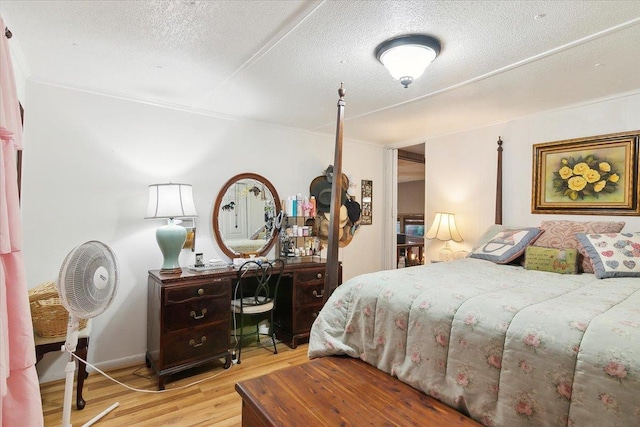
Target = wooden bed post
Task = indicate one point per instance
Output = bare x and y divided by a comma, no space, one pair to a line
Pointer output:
499,184
333,269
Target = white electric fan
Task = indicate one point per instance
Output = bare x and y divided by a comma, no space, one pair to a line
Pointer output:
87,284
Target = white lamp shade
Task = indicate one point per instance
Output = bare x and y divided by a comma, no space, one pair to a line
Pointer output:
407,60
444,228
170,201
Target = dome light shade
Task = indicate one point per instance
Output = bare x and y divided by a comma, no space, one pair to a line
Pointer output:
406,57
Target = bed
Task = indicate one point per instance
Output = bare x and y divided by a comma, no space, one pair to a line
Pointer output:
495,338
505,345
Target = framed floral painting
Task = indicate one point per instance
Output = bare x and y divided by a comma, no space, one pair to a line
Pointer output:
587,176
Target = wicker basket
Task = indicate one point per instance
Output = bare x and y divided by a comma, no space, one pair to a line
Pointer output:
48,315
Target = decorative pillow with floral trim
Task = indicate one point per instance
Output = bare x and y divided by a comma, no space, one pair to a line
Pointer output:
561,234
613,255
506,245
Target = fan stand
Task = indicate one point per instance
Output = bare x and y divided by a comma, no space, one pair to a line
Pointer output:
70,344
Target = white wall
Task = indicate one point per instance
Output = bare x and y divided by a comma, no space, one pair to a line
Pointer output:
88,160
461,170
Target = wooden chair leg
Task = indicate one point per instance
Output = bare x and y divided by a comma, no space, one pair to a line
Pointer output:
81,351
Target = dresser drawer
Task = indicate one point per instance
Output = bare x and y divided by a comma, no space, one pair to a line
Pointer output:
195,313
309,294
309,277
197,343
305,317
188,293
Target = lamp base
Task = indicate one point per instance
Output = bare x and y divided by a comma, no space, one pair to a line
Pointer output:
171,238
446,253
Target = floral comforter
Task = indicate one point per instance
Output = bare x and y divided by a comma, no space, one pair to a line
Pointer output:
507,346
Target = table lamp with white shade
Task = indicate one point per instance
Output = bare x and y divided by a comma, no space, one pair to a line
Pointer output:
171,201
444,228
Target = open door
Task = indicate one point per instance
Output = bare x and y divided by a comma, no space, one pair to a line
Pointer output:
410,218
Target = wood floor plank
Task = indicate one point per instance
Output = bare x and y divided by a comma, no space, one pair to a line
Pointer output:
213,402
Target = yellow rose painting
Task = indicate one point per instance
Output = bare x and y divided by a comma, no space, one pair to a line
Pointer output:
584,177
596,175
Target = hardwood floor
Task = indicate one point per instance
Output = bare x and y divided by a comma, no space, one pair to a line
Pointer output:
213,402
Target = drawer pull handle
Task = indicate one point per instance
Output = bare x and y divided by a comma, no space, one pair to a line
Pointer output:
193,314
314,315
318,295
319,275
192,342
200,291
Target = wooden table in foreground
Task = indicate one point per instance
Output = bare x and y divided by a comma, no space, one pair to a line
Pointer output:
340,391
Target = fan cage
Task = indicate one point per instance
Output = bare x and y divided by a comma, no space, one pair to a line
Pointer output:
76,284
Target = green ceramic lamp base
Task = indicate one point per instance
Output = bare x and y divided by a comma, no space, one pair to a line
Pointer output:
171,238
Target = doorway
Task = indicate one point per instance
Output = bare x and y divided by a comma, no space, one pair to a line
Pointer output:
410,225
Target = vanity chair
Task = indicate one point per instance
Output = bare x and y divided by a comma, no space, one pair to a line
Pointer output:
254,296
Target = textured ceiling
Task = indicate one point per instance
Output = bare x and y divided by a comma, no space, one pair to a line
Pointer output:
281,62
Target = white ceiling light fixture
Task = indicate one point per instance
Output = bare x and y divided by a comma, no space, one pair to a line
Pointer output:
406,57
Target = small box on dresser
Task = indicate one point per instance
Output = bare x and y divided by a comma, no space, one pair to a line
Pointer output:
188,320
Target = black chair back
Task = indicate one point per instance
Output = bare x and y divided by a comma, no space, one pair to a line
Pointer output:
260,277
261,273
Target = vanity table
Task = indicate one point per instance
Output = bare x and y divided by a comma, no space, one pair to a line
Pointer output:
245,213
189,313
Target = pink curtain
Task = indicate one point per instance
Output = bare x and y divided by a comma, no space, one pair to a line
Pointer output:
20,402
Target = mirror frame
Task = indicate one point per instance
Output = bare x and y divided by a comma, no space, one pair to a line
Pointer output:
216,210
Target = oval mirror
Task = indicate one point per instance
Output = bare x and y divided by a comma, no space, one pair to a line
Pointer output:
244,214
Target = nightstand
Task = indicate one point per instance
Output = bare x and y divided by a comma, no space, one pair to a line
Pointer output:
48,344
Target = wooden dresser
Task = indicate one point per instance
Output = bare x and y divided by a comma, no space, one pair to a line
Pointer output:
189,314
188,320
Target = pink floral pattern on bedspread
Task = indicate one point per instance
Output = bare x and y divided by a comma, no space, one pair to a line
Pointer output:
508,346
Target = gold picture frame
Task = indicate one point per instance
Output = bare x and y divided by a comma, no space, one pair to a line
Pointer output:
596,175
366,215
190,225
190,242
